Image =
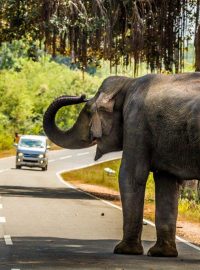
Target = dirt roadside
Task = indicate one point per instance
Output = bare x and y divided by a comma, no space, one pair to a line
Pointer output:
187,230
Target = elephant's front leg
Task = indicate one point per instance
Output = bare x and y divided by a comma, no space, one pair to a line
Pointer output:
132,181
167,191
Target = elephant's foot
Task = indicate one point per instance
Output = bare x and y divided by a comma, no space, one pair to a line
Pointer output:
166,249
125,247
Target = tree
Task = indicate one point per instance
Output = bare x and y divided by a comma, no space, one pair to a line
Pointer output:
121,31
197,50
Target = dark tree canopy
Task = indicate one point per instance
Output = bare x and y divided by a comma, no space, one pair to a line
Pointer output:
155,31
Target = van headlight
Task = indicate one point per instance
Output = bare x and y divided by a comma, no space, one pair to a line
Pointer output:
41,156
20,154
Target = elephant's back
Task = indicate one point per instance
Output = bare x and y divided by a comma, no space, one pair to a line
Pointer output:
172,111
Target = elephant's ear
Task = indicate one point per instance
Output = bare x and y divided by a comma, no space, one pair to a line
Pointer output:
101,123
106,100
96,127
102,117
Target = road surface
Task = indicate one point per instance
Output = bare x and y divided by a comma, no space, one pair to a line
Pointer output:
46,224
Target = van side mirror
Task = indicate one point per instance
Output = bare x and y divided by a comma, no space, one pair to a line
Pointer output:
15,144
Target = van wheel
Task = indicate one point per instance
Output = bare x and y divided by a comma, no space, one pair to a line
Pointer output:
45,168
18,167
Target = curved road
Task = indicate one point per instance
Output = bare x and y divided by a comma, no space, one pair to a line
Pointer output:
47,224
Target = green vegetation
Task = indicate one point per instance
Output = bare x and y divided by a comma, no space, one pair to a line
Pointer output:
188,209
96,175
27,88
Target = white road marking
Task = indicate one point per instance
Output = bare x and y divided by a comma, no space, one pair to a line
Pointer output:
1,205
61,158
2,219
82,154
58,174
15,269
187,243
52,160
5,170
8,240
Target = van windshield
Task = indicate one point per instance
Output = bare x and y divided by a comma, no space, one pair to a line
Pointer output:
30,143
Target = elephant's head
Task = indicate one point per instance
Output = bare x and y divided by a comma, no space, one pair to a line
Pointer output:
100,121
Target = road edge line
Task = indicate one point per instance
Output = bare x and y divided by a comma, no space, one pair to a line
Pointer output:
8,240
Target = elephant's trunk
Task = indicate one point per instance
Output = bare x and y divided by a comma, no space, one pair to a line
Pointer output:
67,139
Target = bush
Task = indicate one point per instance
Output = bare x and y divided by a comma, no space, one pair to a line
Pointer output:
12,54
26,94
6,141
189,209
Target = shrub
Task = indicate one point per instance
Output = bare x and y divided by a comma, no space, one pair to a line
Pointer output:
25,95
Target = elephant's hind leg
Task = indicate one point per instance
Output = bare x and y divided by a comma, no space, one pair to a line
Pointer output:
167,191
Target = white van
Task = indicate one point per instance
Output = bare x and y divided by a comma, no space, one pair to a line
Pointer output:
32,152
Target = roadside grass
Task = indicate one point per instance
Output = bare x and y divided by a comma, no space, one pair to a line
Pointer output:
7,153
96,175
189,210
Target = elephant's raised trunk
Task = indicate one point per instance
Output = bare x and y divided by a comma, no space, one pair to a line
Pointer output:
71,138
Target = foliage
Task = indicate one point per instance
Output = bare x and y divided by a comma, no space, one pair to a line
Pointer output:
86,31
189,194
25,96
189,209
66,60
13,54
5,136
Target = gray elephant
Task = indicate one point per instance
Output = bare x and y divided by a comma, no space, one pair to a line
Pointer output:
155,120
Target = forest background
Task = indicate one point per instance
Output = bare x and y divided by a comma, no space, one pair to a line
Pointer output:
54,47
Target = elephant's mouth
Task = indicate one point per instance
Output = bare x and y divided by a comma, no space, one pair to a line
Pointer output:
89,142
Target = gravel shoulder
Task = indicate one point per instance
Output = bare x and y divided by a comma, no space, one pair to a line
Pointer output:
188,230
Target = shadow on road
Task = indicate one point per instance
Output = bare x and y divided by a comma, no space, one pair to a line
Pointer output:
35,252
62,193
41,192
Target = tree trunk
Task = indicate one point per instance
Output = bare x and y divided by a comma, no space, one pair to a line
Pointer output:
54,43
191,189
197,50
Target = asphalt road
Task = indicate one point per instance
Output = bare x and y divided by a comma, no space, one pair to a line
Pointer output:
47,224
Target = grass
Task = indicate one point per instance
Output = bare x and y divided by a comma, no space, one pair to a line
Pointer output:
7,153
188,209
96,175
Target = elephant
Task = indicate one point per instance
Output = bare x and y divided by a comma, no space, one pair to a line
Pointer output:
155,121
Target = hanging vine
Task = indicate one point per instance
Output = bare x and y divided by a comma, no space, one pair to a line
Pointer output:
121,31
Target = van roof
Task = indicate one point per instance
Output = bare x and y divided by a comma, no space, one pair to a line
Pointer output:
34,137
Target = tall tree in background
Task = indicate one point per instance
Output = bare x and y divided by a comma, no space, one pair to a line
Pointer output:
197,38
197,50
121,31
